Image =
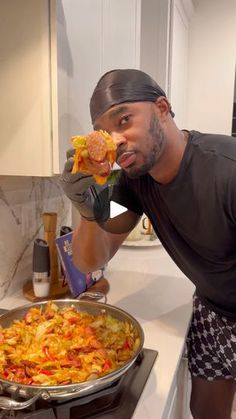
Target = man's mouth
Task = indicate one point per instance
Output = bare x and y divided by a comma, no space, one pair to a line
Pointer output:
126,159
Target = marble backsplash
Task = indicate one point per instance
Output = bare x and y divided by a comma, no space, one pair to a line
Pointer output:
23,200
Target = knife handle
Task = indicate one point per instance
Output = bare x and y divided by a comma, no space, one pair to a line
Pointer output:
50,224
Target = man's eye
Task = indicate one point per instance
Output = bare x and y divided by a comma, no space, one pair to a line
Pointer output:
124,120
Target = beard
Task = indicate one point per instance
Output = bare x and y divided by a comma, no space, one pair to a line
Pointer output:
155,143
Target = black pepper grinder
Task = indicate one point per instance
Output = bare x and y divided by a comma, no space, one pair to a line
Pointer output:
41,268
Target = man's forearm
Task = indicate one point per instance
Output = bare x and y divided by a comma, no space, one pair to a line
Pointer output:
92,246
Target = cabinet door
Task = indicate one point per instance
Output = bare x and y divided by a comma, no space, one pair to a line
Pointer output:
121,34
173,407
94,36
25,85
154,39
178,62
79,57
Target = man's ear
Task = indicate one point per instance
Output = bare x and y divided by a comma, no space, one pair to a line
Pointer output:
163,107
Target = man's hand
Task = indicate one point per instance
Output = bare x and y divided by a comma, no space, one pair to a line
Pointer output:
81,189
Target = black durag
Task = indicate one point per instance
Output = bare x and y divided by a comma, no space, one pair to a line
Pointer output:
120,86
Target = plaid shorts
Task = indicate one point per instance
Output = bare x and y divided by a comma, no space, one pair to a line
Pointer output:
211,344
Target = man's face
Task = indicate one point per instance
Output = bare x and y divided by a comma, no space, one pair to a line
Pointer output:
138,135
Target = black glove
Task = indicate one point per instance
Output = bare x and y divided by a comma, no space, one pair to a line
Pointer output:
84,193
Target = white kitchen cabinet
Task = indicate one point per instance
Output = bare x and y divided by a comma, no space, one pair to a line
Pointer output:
52,56
164,49
172,414
180,393
125,34
102,35
181,14
118,34
28,110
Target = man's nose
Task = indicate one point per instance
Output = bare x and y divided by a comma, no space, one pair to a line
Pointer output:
118,138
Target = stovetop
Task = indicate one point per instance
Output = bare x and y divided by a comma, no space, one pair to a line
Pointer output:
115,402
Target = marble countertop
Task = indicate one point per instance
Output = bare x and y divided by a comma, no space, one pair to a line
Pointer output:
148,285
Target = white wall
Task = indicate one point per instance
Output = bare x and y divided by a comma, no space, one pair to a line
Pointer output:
212,57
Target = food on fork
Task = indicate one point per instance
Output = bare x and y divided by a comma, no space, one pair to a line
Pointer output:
97,147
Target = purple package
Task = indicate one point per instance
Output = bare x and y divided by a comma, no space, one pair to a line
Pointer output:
78,281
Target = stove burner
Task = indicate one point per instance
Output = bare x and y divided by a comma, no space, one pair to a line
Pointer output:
116,401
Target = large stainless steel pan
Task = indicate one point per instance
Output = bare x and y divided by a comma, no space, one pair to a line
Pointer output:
70,390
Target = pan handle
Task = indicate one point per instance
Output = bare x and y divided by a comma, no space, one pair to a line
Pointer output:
6,403
93,296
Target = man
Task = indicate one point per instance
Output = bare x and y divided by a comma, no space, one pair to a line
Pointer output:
185,182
